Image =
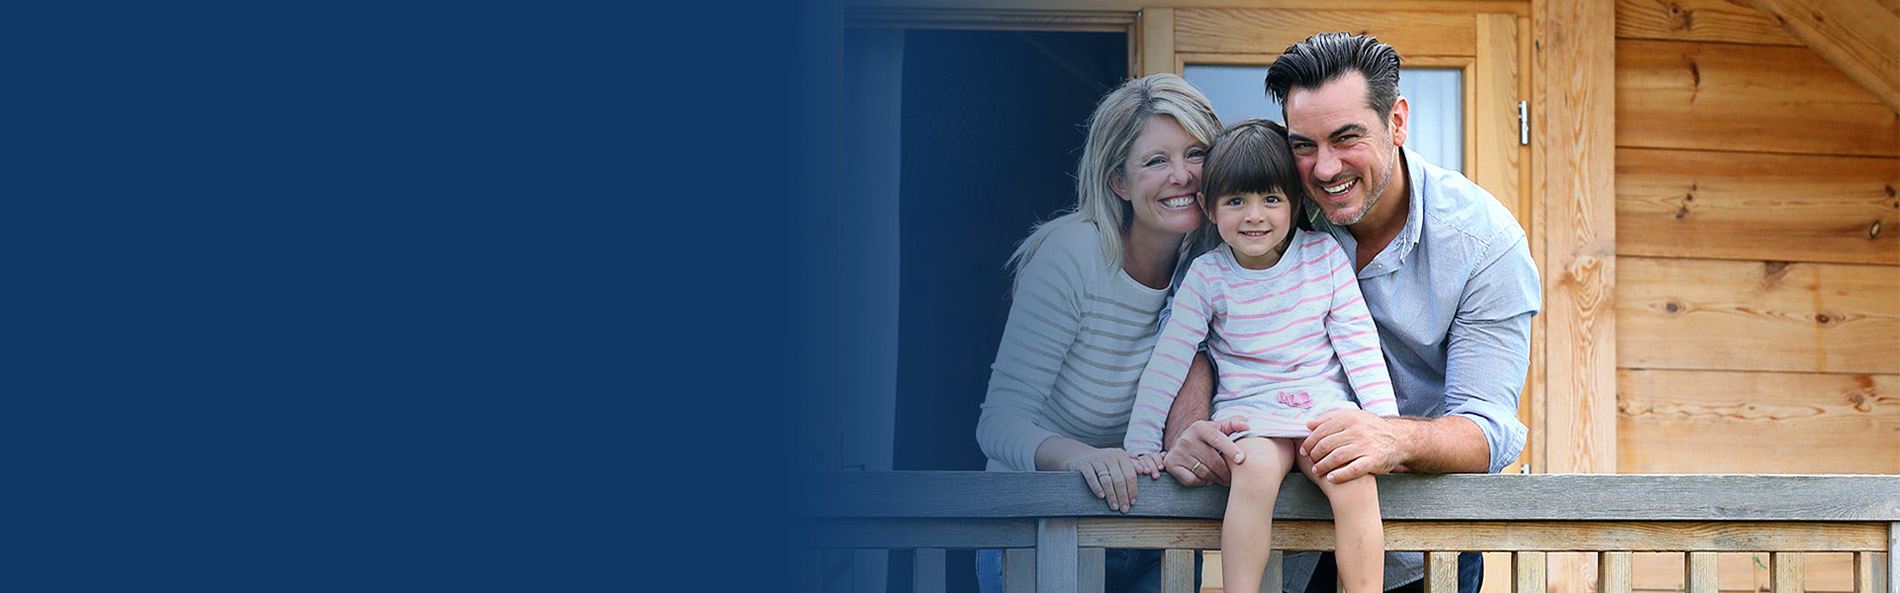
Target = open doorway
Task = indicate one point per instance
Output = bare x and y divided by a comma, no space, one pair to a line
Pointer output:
989,125
993,122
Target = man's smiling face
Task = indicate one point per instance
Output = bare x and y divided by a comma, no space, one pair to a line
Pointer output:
1346,152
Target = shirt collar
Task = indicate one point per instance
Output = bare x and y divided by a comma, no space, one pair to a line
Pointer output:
1401,247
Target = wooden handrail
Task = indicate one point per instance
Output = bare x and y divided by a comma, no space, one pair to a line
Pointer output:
1050,519
1451,497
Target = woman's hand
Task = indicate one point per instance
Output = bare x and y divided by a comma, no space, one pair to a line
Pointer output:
1110,473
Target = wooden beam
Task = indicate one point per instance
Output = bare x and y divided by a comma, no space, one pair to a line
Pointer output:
976,500
1516,536
1441,572
1739,571
927,571
894,534
1698,20
994,20
1613,572
1091,574
1132,6
1694,314
1019,570
1177,571
1574,125
1744,98
1860,38
1698,573
1270,31
1527,572
1056,559
1740,205
1787,571
1154,32
1725,421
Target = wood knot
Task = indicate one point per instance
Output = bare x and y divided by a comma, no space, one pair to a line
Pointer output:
1672,307
1822,318
1684,18
1873,232
1861,402
1774,269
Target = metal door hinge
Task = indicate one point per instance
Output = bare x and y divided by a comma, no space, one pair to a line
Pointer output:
1523,123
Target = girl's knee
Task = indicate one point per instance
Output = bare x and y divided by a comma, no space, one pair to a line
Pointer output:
1360,489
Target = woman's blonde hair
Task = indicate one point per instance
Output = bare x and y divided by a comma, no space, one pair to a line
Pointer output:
1112,130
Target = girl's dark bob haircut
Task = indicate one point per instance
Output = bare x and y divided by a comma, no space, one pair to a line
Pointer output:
1253,156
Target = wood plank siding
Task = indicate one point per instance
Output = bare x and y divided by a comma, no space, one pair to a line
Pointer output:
1758,268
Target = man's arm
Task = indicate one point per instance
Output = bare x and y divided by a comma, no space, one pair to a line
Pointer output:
1201,448
1347,444
1488,354
1196,400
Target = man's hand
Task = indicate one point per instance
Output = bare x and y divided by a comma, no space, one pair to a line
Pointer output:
1346,444
1201,454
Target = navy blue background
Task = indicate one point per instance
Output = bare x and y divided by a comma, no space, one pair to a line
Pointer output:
396,297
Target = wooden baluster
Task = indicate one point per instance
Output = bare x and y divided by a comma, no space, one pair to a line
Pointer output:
1613,572
814,571
926,574
1276,571
1090,570
1786,571
1441,572
1528,571
1177,571
1019,570
1698,573
1866,573
840,571
1055,555
1893,556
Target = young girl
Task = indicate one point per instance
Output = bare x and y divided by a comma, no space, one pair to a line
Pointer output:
1281,314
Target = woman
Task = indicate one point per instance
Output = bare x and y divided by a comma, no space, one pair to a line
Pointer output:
1089,288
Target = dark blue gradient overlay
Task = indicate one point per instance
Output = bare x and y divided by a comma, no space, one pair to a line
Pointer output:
400,296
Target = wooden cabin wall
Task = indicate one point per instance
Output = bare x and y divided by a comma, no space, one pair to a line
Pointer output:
1758,263
1758,251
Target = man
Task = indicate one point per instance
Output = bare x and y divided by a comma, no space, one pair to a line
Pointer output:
1446,272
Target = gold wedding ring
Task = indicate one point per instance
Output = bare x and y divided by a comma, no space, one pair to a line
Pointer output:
1197,466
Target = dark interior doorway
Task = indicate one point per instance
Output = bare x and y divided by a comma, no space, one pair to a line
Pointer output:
993,122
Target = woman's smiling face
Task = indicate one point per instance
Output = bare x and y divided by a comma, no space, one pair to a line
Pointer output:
1160,177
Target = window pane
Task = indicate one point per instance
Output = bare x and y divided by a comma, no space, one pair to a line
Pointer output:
1436,96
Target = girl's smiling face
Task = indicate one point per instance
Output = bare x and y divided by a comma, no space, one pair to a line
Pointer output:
1256,225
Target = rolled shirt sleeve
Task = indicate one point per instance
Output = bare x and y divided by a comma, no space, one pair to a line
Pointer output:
1488,350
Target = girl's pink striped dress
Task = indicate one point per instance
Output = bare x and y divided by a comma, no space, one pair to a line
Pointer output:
1290,343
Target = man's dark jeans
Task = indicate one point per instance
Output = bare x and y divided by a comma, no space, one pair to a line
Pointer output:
1470,575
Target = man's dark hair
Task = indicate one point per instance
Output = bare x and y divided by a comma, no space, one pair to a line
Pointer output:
1324,57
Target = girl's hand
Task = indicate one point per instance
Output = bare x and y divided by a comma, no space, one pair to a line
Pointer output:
1151,464
1110,473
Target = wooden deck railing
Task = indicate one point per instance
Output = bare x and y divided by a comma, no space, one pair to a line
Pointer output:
1054,531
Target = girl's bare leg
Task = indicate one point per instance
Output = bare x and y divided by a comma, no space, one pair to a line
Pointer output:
1359,534
1246,534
